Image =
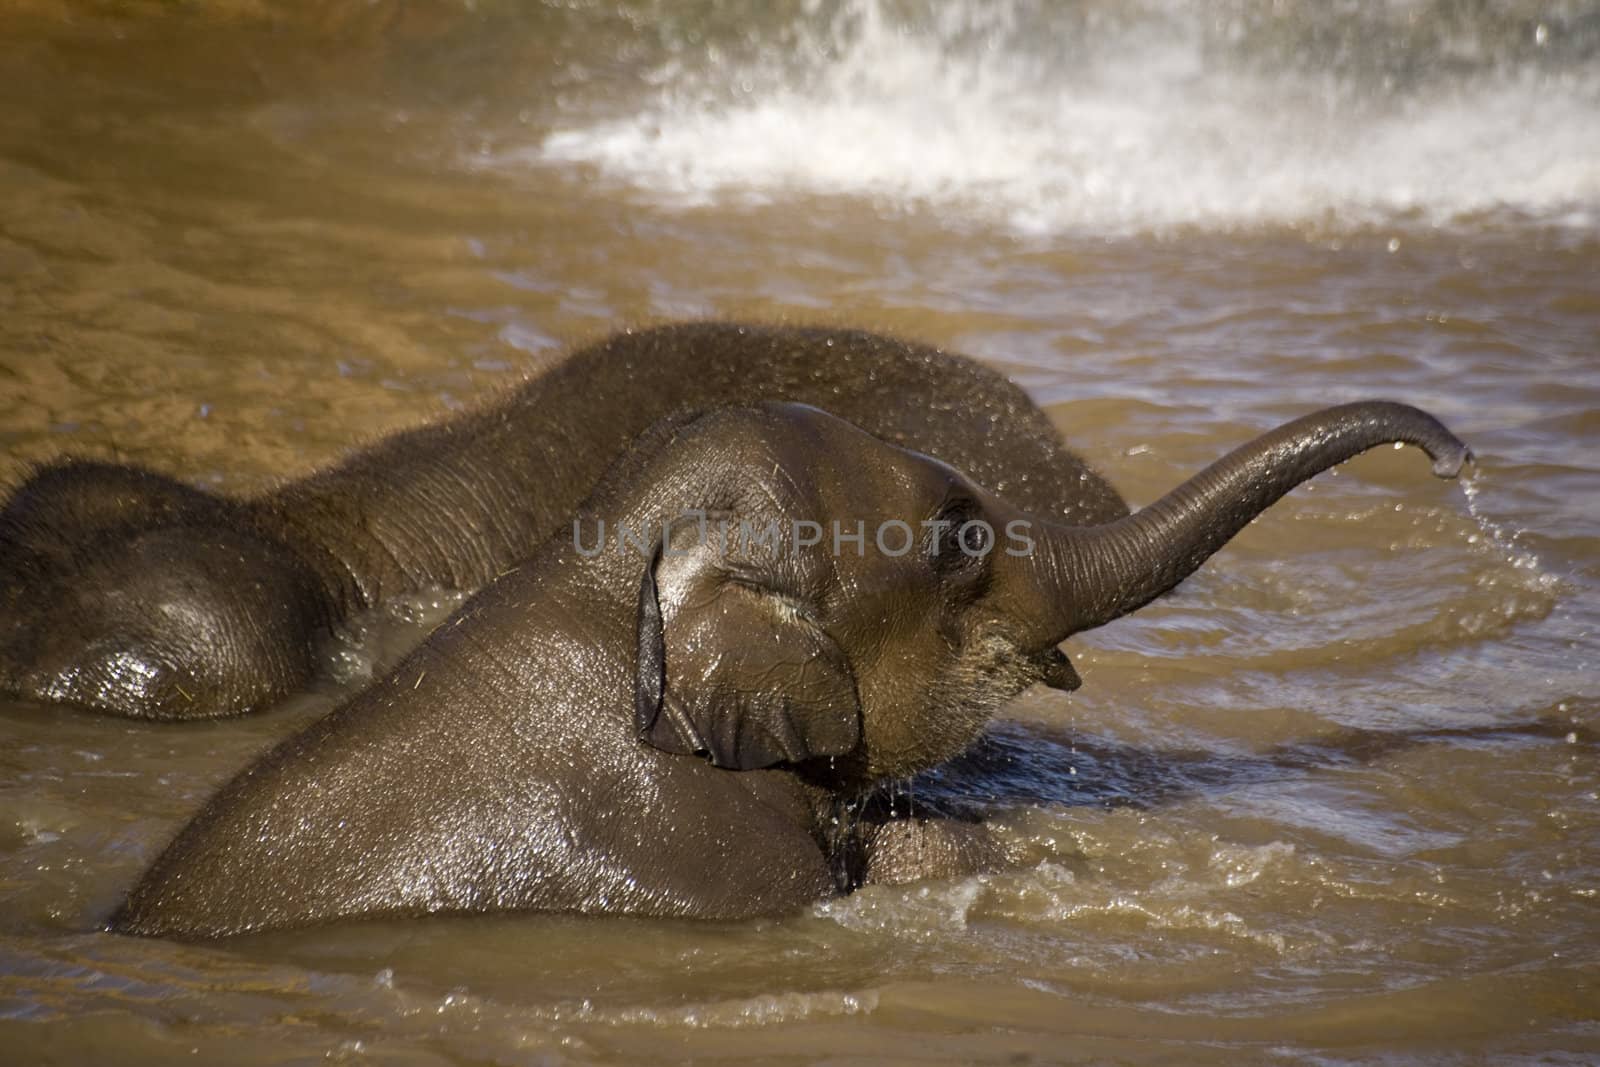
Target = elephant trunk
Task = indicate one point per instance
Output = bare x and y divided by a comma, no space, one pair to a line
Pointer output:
1097,573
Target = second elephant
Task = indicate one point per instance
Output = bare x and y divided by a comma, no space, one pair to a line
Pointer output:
124,591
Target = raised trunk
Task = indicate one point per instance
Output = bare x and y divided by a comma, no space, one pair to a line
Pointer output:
1102,572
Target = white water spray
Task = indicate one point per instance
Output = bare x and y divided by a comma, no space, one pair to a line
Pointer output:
1060,118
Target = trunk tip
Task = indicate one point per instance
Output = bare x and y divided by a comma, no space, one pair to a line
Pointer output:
1448,461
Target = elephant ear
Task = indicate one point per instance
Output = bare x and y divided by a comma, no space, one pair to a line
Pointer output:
745,679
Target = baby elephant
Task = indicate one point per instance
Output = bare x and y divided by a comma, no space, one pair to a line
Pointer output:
757,615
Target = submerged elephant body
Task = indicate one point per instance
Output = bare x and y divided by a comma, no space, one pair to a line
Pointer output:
126,592
675,731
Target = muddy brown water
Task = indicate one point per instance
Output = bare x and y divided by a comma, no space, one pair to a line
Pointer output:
1336,800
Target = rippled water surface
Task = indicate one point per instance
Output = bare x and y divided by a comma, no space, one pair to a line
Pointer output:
1337,798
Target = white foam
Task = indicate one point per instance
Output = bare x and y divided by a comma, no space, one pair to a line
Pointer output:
1151,133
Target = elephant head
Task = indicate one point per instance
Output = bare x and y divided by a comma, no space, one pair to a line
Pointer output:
122,590
857,610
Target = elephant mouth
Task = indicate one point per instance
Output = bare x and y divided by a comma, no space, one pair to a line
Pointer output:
1000,663
1056,671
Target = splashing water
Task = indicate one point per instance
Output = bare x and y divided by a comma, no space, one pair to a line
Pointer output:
1495,536
1048,118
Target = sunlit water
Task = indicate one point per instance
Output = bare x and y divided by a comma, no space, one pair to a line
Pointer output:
1337,798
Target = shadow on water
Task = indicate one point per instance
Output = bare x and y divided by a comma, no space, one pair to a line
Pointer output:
1020,763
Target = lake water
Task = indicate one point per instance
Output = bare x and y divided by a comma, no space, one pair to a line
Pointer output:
1337,799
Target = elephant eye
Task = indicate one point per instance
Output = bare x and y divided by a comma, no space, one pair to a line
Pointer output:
962,535
974,538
